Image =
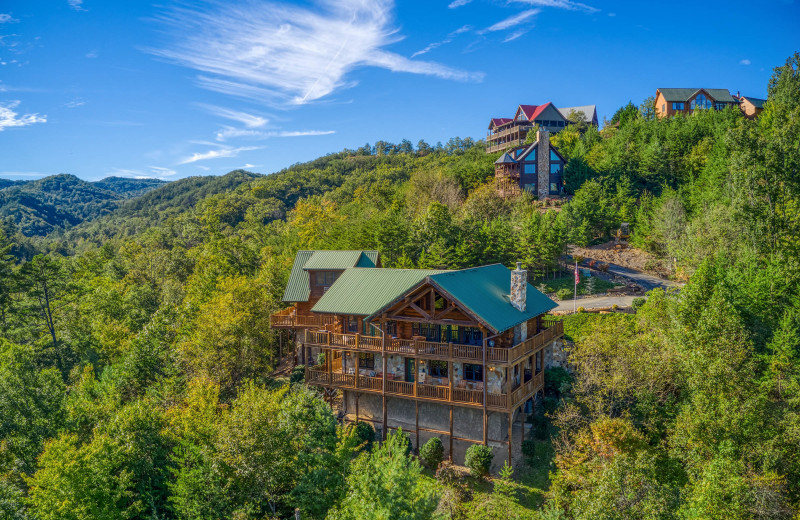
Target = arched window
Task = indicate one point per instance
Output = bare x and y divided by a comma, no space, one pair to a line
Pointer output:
702,102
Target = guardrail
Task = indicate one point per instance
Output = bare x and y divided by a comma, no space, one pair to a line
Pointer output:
437,350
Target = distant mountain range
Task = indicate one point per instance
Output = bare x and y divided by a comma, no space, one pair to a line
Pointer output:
61,201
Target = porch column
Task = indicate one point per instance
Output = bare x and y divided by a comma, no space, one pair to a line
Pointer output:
483,364
383,379
510,422
451,433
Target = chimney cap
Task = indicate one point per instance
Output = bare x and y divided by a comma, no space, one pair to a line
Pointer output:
519,266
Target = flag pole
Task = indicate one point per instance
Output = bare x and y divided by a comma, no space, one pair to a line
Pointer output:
575,299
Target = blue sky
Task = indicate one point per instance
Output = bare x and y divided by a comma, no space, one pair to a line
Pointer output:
130,88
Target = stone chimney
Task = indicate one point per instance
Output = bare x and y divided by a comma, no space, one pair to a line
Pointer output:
519,287
543,164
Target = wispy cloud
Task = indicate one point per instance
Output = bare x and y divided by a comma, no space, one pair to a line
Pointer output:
9,118
75,103
447,40
92,54
76,4
513,36
744,62
458,3
231,133
224,151
284,54
24,174
7,18
248,120
561,4
512,21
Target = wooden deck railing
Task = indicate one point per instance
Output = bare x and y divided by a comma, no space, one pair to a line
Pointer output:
318,375
437,350
287,318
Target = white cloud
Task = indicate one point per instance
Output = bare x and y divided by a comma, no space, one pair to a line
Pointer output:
218,153
561,4
230,132
7,18
76,4
284,54
745,62
458,3
512,21
162,172
92,54
248,120
9,118
75,103
447,40
514,36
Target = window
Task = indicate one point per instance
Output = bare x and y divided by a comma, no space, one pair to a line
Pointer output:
352,324
701,102
369,329
325,277
554,156
473,335
529,167
522,117
663,107
366,360
677,106
391,328
555,168
473,372
553,188
438,368
561,123
720,106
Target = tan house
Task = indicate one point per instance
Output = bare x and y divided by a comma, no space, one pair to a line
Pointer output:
751,107
671,101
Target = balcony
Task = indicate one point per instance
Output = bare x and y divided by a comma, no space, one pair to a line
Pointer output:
288,319
458,395
436,350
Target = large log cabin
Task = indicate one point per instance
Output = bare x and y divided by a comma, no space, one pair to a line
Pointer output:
456,354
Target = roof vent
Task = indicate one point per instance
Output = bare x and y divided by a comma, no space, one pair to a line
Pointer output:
519,287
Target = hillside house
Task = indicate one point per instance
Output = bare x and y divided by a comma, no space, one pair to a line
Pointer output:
509,132
671,101
455,354
751,107
537,168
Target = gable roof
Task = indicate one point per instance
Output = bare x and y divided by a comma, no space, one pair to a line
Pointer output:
298,287
481,291
363,292
683,94
756,102
505,159
589,112
484,291
533,111
499,121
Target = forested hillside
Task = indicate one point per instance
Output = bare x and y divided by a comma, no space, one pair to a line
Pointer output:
61,201
136,369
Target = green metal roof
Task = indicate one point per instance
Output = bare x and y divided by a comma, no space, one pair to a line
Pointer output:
683,94
298,287
484,292
363,292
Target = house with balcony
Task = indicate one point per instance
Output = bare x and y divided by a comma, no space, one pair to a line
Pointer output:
456,354
506,133
313,273
537,168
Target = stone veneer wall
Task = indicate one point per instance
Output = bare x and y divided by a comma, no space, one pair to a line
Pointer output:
555,354
543,164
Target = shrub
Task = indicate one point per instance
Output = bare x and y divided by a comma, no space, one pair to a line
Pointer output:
479,460
556,381
581,309
614,307
365,433
432,453
529,448
565,294
298,374
637,302
404,441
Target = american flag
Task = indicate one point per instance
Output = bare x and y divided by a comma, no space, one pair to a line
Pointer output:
577,275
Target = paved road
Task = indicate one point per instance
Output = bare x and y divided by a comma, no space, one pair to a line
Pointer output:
595,302
647,281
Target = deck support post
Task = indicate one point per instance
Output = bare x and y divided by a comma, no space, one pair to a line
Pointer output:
383,379
452,459
522,424
357,396
416,427
485,389
510,423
